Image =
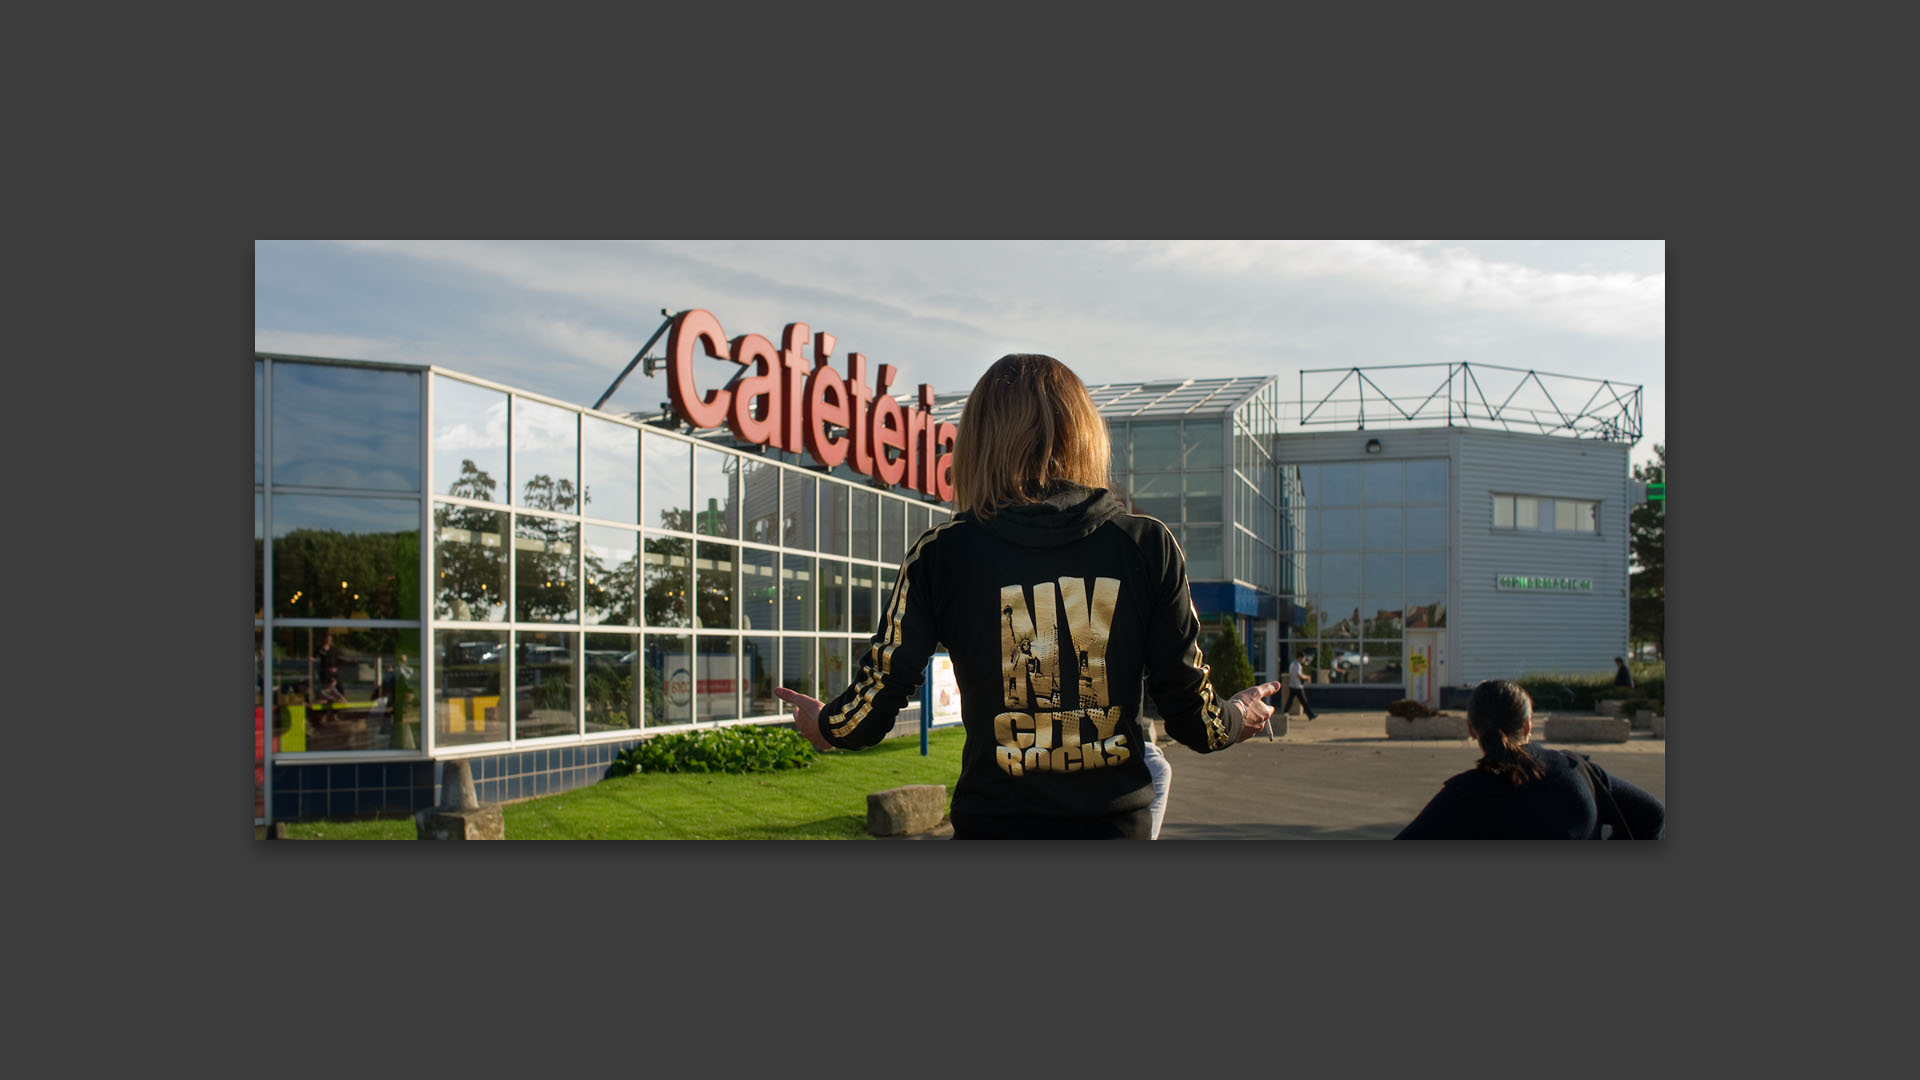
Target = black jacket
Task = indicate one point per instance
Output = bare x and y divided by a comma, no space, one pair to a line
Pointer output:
1477,805
1053,612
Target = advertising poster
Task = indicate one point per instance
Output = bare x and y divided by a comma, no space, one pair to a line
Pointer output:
941,699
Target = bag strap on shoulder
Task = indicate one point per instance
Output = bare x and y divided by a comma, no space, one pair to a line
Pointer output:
1615,818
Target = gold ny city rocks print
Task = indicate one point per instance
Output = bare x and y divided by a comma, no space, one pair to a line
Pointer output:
1041,730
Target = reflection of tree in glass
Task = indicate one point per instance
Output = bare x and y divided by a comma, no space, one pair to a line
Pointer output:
610,590
543,492
471,575
545,574
325,573
610,696
665,582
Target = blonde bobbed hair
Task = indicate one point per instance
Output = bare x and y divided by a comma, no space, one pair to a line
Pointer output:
1027,423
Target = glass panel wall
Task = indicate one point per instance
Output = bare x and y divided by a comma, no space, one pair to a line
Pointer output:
587,576
1371,552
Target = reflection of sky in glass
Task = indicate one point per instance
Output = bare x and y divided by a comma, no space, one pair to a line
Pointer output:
666,483
1339,530
346,427
1382,578
469,423
1427,527
1426,482
1339,485
610,453
1383,530
1382,483
1339,573
545,441
345,514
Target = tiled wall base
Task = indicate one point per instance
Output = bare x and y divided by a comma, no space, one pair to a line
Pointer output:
397,789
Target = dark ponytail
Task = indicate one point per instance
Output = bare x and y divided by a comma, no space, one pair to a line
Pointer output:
1498,712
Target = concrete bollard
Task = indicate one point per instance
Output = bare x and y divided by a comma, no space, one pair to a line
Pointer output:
460,815
1584,728
905,811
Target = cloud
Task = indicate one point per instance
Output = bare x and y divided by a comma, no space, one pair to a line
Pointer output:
1426,274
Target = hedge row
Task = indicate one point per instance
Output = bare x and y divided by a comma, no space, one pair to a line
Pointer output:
742,749
1582,690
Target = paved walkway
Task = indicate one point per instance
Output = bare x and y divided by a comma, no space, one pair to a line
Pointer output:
1339,777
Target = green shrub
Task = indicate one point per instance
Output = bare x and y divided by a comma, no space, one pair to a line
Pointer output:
1228,669
742,749
1634,705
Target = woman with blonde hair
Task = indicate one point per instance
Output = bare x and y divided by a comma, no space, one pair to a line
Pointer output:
1519,790
1053,602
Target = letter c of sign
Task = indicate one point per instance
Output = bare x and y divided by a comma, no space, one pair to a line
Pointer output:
690,326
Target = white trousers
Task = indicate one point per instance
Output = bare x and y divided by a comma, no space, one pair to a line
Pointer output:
1162,774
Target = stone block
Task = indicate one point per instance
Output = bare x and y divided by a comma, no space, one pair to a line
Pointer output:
1277,725
475,823
1609,708
1643,720
1584,728
903,811
1658,726
1427,727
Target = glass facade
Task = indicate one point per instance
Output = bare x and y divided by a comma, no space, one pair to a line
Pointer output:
583,578
1368,562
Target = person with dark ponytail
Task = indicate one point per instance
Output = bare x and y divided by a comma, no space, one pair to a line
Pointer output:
1521,791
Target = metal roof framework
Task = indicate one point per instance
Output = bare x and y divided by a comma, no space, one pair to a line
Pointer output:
1145,400
1468,393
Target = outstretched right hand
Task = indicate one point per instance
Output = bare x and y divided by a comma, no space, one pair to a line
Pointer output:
1254,709
806,716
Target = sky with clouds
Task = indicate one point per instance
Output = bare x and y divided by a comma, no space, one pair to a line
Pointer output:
562,318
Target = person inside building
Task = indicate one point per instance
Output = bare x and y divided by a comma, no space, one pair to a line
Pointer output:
1521,791
327,680
1053,602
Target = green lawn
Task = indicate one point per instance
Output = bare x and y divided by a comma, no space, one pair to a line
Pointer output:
825,802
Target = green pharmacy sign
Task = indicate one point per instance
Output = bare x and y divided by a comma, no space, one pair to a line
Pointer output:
1541,583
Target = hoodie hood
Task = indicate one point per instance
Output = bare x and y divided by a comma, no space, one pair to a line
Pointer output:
1065,513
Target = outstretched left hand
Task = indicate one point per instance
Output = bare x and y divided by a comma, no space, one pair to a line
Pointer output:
806,716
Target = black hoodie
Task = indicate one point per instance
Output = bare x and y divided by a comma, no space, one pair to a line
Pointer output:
1052,611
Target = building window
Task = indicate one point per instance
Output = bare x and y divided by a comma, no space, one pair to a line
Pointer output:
1528,512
